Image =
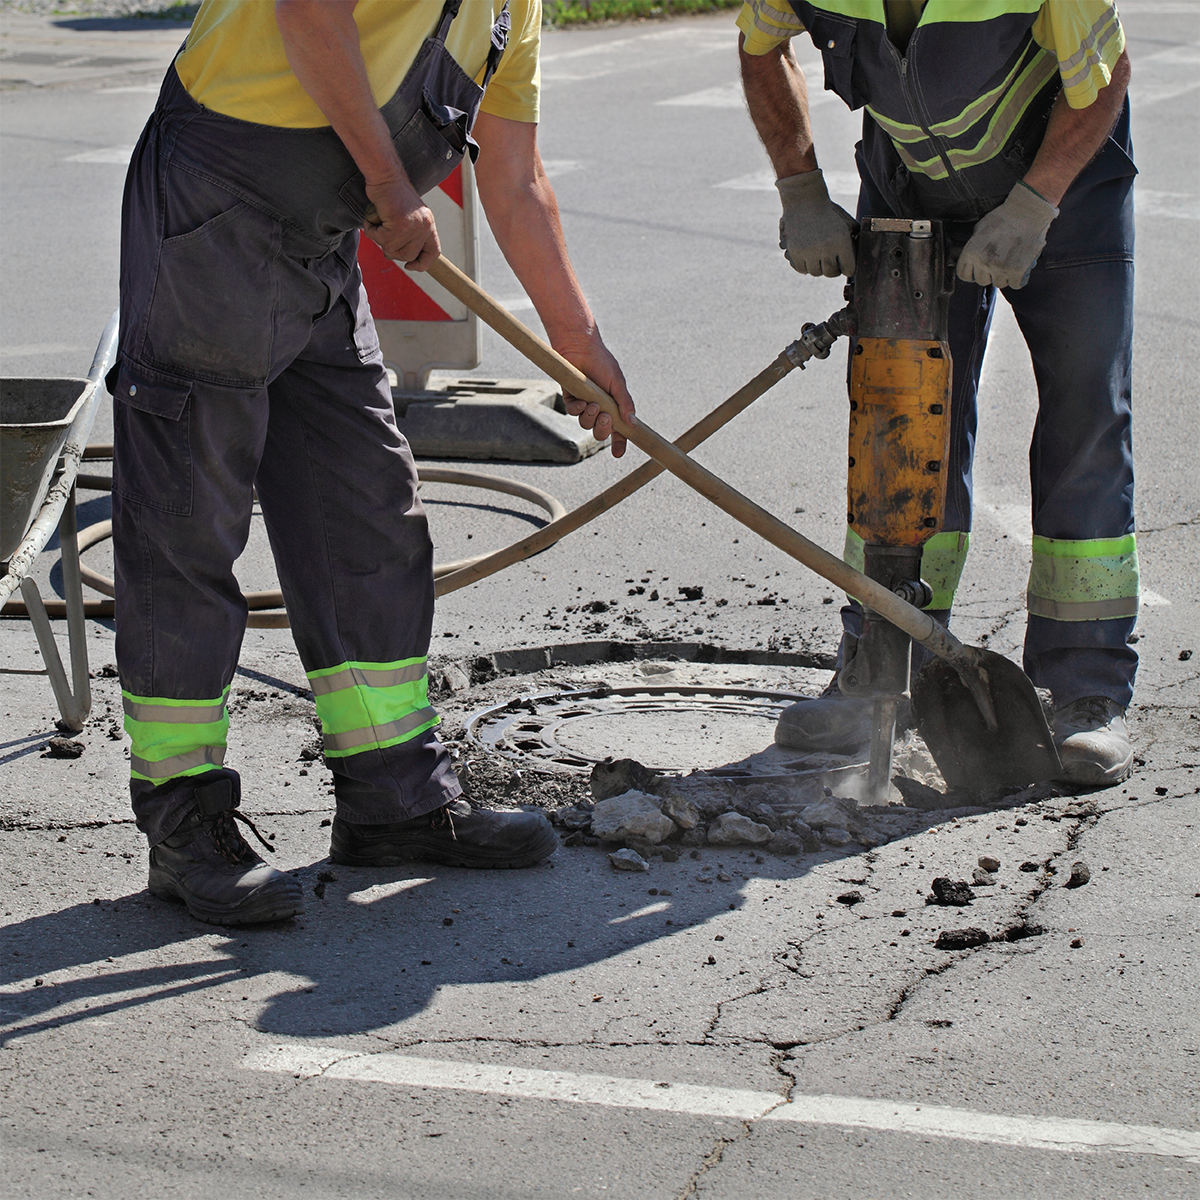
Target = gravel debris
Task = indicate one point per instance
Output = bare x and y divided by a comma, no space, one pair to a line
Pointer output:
961,939
989,864
950,892
1081,873
628,860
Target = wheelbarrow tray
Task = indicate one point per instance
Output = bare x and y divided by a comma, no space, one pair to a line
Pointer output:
36,416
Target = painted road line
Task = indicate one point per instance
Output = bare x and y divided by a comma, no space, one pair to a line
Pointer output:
1034,1133
560,166
1149,203
608,1091
839,183
725,95
115,155
140,89
30,349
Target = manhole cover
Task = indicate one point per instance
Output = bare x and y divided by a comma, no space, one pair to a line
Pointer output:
666,728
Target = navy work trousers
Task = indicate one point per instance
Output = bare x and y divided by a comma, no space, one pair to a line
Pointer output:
249,361
1076,316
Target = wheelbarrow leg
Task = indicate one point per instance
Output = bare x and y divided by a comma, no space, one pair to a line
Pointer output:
75,698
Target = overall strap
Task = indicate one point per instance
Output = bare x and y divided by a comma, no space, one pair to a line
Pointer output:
449,12
500,32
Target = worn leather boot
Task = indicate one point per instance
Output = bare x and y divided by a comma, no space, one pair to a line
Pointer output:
208,865
1093,742
455,834
830,723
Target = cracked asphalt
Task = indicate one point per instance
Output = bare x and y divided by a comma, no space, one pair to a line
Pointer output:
136,1045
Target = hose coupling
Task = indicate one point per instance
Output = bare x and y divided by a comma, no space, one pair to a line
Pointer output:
815,341
915,591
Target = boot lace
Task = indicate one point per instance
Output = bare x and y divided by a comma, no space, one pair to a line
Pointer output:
227,837
441,817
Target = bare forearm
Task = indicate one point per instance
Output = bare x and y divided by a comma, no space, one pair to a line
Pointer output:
523,215
1075,135
322,46
777,96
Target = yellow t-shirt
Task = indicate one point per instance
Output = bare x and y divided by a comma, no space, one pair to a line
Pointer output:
235,64
1085,35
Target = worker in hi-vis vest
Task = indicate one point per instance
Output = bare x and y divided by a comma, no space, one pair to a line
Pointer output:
249,363
1008,121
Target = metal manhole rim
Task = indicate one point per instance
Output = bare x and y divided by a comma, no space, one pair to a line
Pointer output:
575,760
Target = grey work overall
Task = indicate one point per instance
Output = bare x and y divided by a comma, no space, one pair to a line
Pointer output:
249,361
1075,313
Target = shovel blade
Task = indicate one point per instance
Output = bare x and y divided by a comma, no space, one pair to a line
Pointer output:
1018,752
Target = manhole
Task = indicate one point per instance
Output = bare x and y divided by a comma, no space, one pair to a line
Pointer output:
667,728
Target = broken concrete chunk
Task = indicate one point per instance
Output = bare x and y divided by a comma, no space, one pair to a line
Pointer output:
681,810
628,860
989,864
951,891
834,811
61,747
785,843
631,815
1080,874
961,939
850,898
454,679
982,878
764,814
617,778
733,829
872,837
572,818
694,837
835,837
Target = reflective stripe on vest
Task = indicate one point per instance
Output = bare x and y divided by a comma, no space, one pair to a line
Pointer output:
966,91
172,738
368,706
942,559
1092,580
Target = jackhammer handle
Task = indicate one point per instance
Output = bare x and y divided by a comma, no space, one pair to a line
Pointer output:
921,627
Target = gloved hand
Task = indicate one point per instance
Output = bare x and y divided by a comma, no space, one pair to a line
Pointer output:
1006,243
814,233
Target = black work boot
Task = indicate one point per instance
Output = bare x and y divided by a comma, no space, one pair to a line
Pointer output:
208,865
455,834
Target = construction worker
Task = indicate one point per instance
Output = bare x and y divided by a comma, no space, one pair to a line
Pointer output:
1008,121
249,362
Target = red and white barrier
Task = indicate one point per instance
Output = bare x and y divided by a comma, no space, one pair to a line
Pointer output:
421,326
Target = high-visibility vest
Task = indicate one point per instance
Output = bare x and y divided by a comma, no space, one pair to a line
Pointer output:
956,119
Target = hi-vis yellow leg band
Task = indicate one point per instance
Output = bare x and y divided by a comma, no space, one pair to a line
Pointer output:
175,737
1091,580
369,706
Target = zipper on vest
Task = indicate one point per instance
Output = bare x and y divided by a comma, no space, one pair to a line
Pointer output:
918,115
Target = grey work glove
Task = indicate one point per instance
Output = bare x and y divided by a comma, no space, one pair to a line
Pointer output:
814,233
1006,243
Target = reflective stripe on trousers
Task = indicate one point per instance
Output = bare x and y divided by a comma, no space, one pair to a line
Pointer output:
370,706
942,560
173,738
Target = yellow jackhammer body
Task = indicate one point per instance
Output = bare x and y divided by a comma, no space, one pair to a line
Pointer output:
900,383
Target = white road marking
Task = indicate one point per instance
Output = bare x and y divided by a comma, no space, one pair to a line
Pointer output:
141,89
839,183
116,155
382,891
1149,203
29,349
1040,1133
560,166
1153,599
725,95
516,303
647,911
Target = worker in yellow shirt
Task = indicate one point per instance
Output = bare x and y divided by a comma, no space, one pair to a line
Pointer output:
249,362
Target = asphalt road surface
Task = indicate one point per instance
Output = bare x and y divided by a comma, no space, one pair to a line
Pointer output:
566,1030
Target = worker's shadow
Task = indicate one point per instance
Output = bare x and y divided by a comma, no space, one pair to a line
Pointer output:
380,947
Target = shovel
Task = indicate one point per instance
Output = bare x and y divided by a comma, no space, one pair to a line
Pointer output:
979,713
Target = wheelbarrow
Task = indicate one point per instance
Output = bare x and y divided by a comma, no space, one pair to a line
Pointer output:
44,427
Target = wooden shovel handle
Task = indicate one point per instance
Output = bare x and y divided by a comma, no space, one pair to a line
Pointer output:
920,626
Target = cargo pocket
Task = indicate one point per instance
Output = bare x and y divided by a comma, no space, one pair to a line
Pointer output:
212,312
152,456
834,38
